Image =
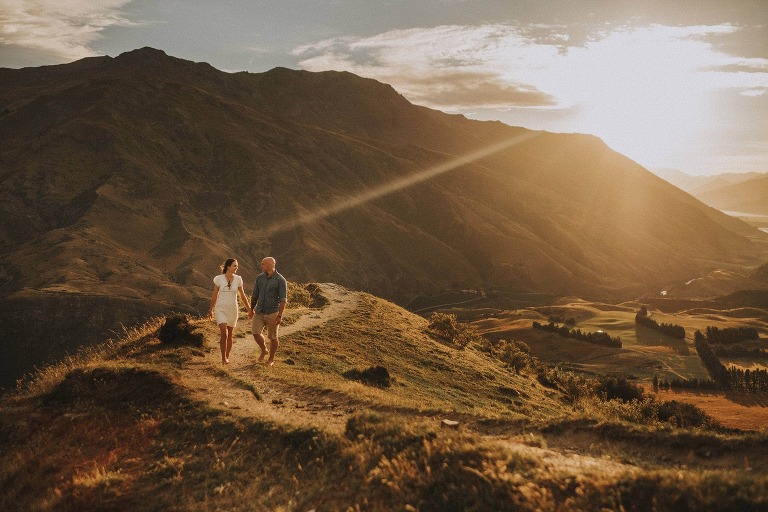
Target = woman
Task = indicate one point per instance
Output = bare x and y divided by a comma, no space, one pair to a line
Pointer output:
227,286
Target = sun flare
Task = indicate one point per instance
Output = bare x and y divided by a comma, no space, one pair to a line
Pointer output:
367,195
657,93
647,96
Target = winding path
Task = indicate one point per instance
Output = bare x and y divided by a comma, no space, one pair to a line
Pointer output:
231,388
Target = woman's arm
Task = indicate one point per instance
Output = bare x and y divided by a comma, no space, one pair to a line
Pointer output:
244,298
213,301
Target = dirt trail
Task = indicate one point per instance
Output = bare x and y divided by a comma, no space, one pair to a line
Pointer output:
226,388
231,389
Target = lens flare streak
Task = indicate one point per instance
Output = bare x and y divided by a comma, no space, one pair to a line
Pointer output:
366,196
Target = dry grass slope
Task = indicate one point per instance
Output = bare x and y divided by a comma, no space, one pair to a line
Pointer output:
142,425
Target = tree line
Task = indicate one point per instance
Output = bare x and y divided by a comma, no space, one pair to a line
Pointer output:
716,369
675,331
601,338
734,378
730,335
737,351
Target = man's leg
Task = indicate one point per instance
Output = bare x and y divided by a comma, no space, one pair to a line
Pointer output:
272,329
272,349
256,329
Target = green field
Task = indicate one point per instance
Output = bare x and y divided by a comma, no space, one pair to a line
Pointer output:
645,352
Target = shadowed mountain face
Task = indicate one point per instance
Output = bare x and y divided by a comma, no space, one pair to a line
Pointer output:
128,180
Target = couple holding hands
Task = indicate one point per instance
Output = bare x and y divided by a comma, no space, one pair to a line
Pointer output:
270,293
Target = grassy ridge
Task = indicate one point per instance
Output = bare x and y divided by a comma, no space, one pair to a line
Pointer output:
118,430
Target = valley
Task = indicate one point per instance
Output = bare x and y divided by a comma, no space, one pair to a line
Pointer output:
645,353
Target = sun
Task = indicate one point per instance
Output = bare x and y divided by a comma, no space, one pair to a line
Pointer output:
652,121
647,97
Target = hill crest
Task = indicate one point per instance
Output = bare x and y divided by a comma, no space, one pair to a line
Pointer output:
139,424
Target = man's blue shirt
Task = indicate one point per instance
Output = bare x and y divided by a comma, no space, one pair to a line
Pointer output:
269,292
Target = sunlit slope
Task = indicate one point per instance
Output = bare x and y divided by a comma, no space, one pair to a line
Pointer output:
141,425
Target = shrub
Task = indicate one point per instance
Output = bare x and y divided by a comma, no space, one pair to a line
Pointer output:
514,353
177,330
466,334
572,385
444,325
377,376
619,387
299,295
683,415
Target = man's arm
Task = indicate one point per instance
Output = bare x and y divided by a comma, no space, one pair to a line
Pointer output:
282,291
255,294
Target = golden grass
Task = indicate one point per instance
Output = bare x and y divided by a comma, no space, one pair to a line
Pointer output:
733,409
120,428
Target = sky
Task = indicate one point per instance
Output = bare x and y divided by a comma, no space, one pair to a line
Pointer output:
672,84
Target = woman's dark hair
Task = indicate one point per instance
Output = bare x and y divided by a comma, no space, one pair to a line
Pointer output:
226,265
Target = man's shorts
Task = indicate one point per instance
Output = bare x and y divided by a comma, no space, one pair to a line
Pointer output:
268,320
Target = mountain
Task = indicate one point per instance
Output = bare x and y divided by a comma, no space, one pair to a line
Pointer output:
681,179
700,184
126,181
749,196
736,192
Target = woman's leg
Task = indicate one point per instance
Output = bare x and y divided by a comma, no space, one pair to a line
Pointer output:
223,343
230,330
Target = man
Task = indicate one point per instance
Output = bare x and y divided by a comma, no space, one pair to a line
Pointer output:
270,293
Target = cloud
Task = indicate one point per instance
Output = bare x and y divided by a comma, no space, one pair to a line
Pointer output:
61,30
468,89
536,65
646,90
445,67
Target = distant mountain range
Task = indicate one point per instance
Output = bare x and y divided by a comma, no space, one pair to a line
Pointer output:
126,181
732,192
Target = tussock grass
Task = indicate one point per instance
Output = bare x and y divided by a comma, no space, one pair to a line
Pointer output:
374,376
179,330
43,379
114,429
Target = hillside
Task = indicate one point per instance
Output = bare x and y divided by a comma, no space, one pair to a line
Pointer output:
745,193
143,425
749,196
126,181
700,184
